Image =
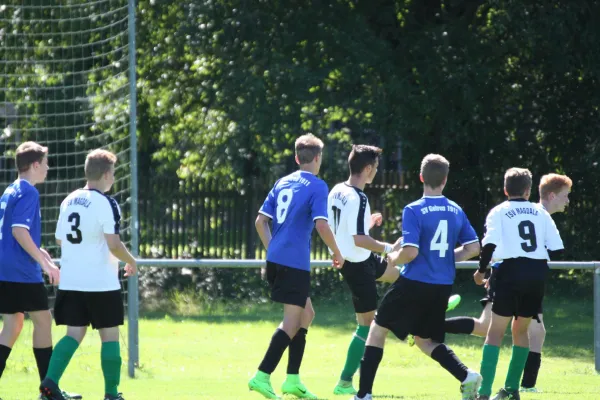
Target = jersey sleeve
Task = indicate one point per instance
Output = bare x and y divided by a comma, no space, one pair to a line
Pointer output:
411,228
356,215
269,205
467,234
318,202
110,217
493,228
60,230
552,239
26,206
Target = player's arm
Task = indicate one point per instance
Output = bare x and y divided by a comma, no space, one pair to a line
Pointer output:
467,251
118,249
409,242
490,240
356,227
553,241
263,229
367,242
406,254
469,241
326,234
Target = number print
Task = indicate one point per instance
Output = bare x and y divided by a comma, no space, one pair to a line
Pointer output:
75,219
336,218
440,239
284,199
527,233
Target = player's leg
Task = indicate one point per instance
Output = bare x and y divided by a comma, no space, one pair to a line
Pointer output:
470,326
42,340
293,384
12,324
537,335
110,356
355,353
520,350
371,359
491,353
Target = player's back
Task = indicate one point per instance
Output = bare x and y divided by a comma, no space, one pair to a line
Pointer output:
294,203
86,261
520,228
19,207
435,225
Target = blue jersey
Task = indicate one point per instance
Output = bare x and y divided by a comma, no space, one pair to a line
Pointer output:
435,225
19,206
294,204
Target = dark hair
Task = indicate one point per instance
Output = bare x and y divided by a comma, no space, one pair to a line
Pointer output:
28,153
434,169
361,156
517,181
308,147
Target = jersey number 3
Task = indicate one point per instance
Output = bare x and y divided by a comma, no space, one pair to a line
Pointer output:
75,220
440,239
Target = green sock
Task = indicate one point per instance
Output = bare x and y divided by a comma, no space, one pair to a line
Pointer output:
355,352
61,356
515,368
488,368
111,367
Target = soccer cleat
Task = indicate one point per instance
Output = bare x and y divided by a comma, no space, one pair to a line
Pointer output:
344,387
505,394
529,390
470,386
367,397
293,386
261,383
49,390
111,397
72,396
453,302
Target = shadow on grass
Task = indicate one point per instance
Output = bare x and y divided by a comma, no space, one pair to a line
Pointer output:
568,319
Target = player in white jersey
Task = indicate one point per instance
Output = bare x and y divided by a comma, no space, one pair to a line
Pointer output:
350,218
521,234
89,291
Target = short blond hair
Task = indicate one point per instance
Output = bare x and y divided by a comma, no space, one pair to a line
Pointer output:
97,163
28,153
554,183
517,181
308,147
434,169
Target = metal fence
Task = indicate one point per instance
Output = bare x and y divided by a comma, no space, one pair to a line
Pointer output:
133,298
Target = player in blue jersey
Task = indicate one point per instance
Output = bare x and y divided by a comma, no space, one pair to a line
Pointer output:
296,204
416,303
22,287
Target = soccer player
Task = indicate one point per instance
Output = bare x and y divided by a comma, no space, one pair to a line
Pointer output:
350,219
416,303
22,288
554,197
296,204
521,234
89,291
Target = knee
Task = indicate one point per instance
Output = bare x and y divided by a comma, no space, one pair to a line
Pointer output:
309,314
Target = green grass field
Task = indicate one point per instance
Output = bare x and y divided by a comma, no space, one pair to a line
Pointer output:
196,354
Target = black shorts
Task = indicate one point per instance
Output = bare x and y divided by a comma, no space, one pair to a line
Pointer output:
100,309
17,297
519,289
417,308
361,277
288,285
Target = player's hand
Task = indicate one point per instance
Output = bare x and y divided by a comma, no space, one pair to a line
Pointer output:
338,260
376,219
392,257
130,269
52,271
46,254
486,283
479,277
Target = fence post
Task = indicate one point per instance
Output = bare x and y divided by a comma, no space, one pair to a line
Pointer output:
132,281
597,317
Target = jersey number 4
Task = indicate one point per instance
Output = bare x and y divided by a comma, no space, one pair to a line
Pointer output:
75,220
440,239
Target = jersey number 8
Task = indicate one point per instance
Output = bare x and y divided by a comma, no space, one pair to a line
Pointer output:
284,199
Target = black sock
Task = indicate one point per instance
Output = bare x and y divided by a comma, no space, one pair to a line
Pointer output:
464,325
296,352
532,367
447,359
368,369
279,342
4,353
42,358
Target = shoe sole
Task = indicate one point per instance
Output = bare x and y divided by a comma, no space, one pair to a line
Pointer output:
342,392
259,390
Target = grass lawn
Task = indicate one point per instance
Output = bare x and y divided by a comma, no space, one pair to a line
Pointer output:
195,354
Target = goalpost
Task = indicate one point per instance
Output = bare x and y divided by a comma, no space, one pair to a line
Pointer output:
67,80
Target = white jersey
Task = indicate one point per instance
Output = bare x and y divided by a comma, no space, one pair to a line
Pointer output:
86,263
520,228
349,214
